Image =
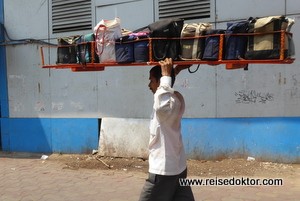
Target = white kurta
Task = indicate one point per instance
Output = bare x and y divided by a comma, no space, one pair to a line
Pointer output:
167,156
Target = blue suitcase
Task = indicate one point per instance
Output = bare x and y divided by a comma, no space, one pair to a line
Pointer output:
236,45
124,49
141,50
141,46
212,44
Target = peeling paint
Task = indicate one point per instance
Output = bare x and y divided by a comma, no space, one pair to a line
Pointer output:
294,93
39,107
57,106
17,107
19,77
77,105
185,83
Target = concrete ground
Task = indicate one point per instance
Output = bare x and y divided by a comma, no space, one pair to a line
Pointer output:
29,178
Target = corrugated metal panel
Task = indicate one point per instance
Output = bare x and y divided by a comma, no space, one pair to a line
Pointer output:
185,9
71,15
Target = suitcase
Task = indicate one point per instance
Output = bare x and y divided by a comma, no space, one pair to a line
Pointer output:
192,48
169,47
266,46
141,45
141,50
86,49
236,45
66,51
212,44
106,32
124,49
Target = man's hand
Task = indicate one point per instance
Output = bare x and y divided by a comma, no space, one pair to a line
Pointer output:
166,66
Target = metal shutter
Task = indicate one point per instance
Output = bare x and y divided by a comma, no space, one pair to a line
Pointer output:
184,9
71,15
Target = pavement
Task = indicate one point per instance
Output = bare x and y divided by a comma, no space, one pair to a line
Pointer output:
26,177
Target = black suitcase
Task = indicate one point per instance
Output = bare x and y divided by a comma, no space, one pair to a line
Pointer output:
169,47
66,51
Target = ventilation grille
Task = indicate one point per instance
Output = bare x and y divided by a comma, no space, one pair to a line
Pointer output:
71,15
184,9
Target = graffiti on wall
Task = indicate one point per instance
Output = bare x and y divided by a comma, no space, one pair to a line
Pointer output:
252,96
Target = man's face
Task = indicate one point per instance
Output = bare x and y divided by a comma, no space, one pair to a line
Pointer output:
153,84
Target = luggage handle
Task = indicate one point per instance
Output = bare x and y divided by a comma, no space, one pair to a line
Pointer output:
167,47
165,54
100,26
78,50
190,71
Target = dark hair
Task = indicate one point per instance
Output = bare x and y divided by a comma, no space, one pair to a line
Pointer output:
156,72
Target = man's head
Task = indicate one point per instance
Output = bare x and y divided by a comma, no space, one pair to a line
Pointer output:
155,75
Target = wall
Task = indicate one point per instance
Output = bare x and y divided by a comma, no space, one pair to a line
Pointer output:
271,139
232,113
45,108
260,98
47,135
277,84
3,77
211,92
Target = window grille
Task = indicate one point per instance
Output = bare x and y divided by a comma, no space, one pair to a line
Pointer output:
184,9
71,15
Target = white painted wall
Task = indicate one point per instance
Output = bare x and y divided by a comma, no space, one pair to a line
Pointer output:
122,92
124,137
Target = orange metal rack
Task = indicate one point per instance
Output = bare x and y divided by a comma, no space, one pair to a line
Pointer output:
230,64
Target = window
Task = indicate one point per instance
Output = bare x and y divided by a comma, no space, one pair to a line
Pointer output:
184,9
71,15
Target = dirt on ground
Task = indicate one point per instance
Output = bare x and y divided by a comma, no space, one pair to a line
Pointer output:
202,168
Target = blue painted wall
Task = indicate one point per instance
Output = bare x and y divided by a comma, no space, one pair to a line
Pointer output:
3,73
272,139
47,135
